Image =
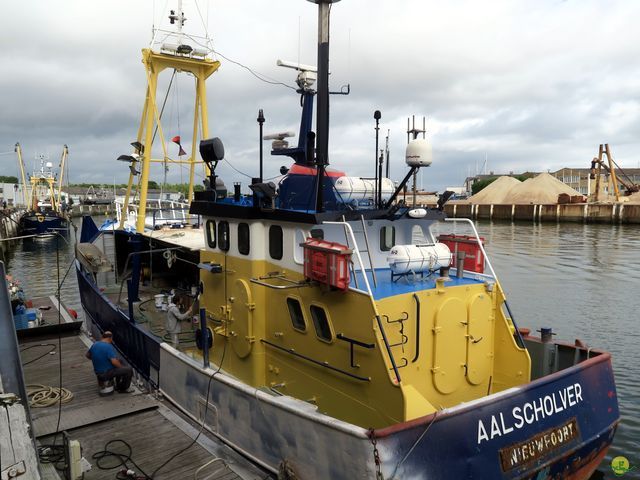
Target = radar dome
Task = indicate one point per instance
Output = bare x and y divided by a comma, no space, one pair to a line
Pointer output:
419,153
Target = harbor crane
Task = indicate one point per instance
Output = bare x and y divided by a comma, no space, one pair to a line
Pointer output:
598,164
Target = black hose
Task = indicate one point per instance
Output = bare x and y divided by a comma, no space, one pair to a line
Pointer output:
51,350
122,460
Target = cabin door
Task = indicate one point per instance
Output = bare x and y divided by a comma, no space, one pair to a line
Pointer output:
242,307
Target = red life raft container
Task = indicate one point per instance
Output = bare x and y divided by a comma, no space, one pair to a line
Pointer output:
474,259
327,262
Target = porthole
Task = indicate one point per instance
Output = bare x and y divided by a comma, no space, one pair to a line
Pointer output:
295,312
223,236
211,233
387,238
275,242
244,238
321,323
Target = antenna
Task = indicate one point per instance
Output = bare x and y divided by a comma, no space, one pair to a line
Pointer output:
377,181
386,151
307,74
414,132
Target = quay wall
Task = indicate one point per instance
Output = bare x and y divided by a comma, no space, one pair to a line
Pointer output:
570,212
80,210
9,222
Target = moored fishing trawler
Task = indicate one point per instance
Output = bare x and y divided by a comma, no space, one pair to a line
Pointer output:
338,335
47,210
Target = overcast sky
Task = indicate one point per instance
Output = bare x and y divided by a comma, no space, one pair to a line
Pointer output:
525,85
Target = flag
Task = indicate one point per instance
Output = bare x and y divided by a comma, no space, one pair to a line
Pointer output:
176,140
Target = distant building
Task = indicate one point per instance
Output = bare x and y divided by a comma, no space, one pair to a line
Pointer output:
12,194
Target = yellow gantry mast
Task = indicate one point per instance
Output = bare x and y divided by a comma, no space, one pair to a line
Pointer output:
179,58
49,180
65,153
18,150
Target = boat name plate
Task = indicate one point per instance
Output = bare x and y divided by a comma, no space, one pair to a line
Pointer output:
538,446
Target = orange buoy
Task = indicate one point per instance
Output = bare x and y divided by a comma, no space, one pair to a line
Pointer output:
73,313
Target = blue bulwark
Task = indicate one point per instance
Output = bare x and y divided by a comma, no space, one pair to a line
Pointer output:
89,230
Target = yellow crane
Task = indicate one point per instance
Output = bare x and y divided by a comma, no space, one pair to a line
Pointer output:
25,195
598,164
65,153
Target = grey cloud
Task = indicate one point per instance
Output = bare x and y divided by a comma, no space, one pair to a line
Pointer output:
532,86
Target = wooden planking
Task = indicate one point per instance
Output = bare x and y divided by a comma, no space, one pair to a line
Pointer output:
83,416
153,440
77,373
153,436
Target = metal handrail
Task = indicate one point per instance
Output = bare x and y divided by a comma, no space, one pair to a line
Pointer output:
156,207
291,351
356,250
373,302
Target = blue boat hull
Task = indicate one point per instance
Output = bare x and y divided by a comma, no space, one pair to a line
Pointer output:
559,426
41,224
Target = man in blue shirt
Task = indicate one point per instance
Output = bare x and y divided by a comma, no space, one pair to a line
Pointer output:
106,364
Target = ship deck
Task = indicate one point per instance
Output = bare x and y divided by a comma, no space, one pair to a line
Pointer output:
388,286
154,429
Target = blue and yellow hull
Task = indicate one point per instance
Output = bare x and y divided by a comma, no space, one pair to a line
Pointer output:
559,426
48,223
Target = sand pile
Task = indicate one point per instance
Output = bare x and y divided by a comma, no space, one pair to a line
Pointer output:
543,189
634,197
495,192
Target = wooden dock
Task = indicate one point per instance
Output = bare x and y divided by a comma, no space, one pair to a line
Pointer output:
153,428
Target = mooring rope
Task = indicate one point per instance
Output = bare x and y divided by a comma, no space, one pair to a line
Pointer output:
41,396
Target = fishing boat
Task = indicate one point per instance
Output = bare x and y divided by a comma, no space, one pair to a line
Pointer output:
47,211
338,335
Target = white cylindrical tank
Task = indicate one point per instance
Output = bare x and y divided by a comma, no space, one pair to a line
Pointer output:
418,258
356,188
418,153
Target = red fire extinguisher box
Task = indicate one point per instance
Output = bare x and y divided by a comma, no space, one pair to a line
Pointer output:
474,259
327,262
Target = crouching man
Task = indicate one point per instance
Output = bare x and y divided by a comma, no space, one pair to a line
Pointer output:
107,366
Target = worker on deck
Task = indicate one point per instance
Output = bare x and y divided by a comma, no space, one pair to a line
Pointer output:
174,317
107,366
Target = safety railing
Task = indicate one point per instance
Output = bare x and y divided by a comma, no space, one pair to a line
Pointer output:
158,213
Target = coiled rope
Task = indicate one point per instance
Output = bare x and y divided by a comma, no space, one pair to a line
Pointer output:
41,396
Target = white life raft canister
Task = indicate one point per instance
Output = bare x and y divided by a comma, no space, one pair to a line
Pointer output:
418,258
355,188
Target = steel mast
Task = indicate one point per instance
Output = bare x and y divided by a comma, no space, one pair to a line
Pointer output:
322,115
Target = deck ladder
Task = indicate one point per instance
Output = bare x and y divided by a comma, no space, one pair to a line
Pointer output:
368,250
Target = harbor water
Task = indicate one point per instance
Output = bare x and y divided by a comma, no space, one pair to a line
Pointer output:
579,279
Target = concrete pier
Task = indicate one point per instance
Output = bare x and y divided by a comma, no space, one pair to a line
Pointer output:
571,212
9,223
80,210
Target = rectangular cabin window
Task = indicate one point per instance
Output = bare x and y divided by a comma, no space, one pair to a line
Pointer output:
297,317
418,236
387,238
244,238
298,253
321,323
211,233
275,242
317,233
223,236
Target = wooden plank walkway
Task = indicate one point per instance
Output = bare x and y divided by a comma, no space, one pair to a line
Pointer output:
154,429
